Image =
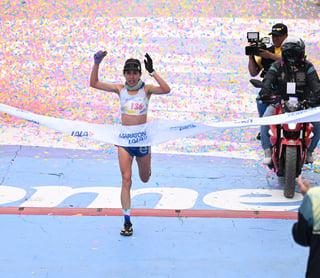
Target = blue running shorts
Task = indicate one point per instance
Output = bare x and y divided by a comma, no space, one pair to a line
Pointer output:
138,151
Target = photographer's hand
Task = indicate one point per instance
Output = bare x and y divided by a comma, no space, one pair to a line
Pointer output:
269,55
265,53
304,186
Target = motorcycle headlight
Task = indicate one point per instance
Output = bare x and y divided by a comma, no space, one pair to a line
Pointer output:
292,126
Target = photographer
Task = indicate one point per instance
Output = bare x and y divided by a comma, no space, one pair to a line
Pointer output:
267,56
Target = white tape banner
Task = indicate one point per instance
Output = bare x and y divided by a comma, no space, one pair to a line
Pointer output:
154,132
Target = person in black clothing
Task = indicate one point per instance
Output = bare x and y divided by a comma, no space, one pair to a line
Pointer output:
262,63
293,68
306,231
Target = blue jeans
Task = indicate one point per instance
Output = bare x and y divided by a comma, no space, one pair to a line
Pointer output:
264,130
261,107
316,137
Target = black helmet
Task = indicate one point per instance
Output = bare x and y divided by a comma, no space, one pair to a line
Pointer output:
293,50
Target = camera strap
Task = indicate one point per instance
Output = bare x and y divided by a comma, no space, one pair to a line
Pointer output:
266,63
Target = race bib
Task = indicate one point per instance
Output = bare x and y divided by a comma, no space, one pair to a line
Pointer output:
136,106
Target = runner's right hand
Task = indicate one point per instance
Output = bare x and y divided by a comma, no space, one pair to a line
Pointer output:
98,57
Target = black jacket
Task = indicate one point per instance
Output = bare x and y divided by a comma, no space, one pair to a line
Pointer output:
306,231
305,76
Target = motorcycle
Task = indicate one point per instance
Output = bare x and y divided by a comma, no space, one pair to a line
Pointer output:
289,141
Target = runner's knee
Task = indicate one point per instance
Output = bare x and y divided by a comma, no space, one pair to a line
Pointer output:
126,181
145,176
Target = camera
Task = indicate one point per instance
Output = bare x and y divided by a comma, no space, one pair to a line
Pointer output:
257,43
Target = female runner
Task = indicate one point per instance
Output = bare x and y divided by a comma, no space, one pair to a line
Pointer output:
134,99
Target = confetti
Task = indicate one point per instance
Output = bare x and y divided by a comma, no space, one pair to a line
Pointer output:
47,52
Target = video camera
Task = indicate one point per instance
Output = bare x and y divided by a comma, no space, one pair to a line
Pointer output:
257,44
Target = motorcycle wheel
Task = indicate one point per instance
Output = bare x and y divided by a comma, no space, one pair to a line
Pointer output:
290,171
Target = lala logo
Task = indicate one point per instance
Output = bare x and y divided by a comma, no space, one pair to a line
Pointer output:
81,133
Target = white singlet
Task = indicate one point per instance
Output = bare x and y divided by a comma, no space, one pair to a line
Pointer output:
134,104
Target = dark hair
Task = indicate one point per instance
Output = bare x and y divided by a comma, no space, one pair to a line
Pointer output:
132,64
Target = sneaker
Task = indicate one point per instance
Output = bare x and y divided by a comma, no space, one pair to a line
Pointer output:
127,229
309,158
267,157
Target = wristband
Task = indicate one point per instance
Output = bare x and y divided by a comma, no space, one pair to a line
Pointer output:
152,73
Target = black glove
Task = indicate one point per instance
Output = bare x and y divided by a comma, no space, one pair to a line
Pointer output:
263,94
149,64
266,97
98,57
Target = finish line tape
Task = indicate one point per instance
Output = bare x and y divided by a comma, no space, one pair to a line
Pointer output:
154,132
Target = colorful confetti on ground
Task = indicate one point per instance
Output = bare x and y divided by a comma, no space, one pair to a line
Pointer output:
47,52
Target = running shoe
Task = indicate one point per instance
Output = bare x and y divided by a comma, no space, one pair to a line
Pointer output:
127,229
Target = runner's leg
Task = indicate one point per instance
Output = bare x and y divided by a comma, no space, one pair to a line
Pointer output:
144,165
125,163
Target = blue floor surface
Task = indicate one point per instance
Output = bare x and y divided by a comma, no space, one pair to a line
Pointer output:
182,247
81,246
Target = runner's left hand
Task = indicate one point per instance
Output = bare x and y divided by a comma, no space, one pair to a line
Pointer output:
148,63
